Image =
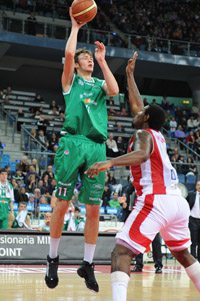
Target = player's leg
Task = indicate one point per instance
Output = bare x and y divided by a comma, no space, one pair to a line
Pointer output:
157,254
91,231
120,271
191,265
135,237
11,219
177,237
67,161
56,228
90,194
138,263
194,233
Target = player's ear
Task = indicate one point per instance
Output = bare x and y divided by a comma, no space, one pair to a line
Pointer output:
146,117
76,66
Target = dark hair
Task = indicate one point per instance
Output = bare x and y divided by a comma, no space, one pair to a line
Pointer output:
156,116
22,203
80,51
2,170
77,209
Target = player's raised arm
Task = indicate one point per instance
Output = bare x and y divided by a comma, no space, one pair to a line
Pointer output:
135,100
70,49
111,85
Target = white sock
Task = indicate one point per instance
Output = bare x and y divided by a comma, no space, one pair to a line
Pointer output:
54,244
119,282
193,272
89,250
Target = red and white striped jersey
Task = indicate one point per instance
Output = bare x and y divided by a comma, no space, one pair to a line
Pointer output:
156,175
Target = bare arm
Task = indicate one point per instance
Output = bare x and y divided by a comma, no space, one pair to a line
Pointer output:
135,100
111,86
142,151
11,206
68,69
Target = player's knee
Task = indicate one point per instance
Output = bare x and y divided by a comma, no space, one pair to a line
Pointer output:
61,207
92,212
118,252
114,254
121,259
182,256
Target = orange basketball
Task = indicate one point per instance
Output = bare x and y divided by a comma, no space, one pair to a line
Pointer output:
84,10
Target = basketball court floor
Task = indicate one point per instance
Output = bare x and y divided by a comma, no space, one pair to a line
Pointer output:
26,283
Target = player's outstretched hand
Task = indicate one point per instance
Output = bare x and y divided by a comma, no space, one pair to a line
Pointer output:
96,168
100,51
131,63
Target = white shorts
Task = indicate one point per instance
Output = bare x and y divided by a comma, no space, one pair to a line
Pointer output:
167,214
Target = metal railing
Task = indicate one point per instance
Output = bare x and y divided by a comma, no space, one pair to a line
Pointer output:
10,122
187,149
53,29
181,145
30,143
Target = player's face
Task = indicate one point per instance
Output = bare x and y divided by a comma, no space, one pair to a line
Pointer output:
3,177
198,186
140,118
85,62
47,217
22,207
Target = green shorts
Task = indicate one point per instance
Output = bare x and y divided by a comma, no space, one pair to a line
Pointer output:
74,156
4,223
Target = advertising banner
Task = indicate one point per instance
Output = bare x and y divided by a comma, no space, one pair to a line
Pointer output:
32,248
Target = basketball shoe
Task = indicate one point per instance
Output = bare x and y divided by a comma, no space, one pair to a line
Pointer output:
51,277
86,271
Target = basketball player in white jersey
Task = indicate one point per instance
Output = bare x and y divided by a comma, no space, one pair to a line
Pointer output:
160,206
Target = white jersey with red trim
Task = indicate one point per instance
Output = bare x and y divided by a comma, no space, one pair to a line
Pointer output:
156,175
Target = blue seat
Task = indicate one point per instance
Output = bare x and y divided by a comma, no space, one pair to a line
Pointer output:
181,178
102,210
82,208
190,178
3,164
30,207
15,206
5,158
110,210
45,208
13,167
190,181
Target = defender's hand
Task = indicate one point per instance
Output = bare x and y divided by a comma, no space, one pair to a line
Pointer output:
96,168
131,63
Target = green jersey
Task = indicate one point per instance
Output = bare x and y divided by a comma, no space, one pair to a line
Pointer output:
86,112
6,196
114,204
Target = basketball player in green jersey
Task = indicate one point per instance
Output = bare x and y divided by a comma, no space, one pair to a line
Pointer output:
84,133
6,199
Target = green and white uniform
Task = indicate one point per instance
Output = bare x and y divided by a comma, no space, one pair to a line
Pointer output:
85,131
6,197
76,224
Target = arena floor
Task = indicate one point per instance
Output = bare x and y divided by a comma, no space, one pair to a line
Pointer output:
25,283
